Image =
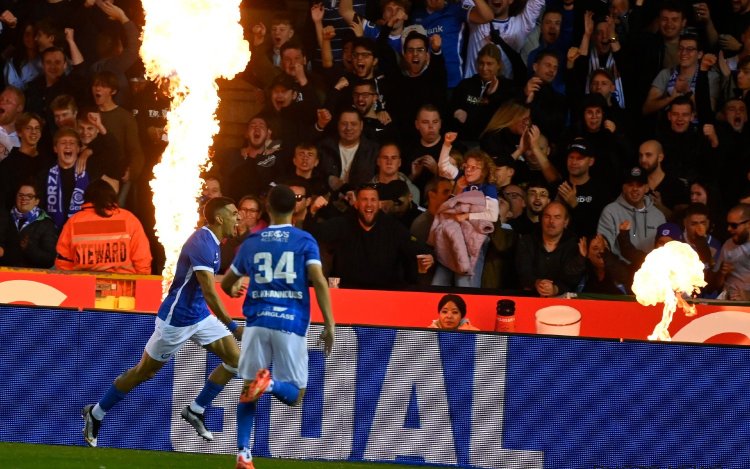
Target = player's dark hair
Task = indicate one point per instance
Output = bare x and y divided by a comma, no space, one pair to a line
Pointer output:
102,196
213,206
457,300
281,200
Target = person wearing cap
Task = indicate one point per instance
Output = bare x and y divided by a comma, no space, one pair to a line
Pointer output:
448,19
667,191
289,119
505,169
452,315
398,202
584,194
635,209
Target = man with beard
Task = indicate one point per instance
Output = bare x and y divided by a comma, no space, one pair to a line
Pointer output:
637,209
371,249
732,270
548,262
256,164
365,101
666,190
537,197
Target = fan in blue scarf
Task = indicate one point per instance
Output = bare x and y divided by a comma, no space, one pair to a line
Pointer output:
55,196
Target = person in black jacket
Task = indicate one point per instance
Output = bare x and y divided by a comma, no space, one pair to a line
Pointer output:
28,236
476,99
370,248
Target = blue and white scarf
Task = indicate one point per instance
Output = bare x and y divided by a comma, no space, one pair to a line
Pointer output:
611,66
55,195
21,220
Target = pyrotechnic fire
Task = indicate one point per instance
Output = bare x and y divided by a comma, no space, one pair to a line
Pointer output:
190,43
667,273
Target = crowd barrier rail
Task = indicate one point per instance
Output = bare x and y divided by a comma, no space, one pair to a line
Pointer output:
604,317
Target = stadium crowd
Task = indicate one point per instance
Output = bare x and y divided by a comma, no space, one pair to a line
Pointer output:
543,146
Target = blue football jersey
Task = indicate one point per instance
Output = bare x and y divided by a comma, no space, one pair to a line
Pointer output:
185,304
276,261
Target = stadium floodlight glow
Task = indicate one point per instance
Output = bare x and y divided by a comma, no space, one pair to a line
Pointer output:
667,273
187,45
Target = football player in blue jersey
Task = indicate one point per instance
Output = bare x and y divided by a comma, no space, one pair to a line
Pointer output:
280,260
184,315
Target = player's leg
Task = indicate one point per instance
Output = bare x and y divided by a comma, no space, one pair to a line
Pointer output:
289,368
164,342
255,355
215,337
93,414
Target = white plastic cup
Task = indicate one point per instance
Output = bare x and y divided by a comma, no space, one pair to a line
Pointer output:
558,320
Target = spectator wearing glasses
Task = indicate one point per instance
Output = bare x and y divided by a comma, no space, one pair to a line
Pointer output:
459,232
538,195
684,79
732,270
252,219
26,161
27,234
365,101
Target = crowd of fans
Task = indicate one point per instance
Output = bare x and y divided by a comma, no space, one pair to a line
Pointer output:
543,146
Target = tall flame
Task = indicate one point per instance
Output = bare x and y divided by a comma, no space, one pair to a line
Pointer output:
190,43
665,275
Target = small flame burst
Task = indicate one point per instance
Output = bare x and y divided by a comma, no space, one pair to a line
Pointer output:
667,273
189,43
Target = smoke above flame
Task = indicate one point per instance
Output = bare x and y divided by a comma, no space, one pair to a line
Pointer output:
189,43
667,273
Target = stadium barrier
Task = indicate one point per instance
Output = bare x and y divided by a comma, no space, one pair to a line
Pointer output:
473,400
606,317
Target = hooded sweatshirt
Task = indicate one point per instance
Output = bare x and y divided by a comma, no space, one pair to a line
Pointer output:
643,224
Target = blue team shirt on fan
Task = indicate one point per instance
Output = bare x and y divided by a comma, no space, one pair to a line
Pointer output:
185,304
276,260
449,24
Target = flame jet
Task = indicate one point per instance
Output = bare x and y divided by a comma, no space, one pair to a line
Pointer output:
187,45
667,273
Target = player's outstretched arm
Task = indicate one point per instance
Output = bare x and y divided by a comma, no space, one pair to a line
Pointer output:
323,296
207,282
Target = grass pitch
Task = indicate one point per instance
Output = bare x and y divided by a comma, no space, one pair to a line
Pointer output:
27,456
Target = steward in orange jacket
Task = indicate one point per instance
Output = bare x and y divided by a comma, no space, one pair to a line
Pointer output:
115,243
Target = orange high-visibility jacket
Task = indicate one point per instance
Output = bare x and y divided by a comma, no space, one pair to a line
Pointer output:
116,244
